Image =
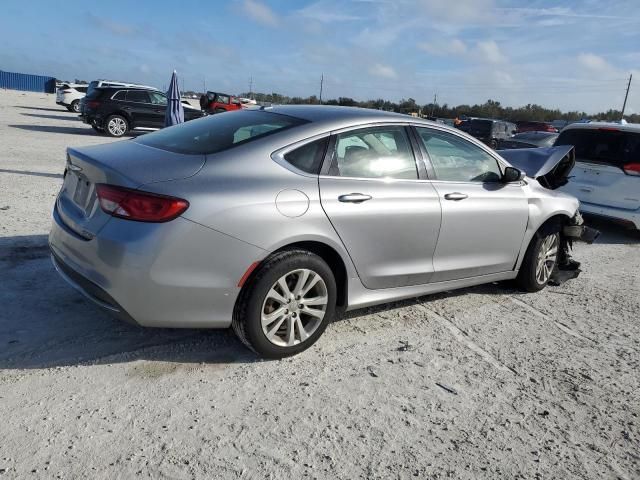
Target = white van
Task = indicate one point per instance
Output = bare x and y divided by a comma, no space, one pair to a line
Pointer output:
606,178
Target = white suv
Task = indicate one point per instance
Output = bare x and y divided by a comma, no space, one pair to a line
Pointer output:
606,178
69,95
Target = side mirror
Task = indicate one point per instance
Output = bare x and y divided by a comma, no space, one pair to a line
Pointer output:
512,174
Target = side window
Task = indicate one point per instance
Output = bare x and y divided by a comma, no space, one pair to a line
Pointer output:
121,95
457,160
158,98
139,96
82,89
308,158
379,152
222,98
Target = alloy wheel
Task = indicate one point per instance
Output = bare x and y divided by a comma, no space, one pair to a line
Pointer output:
547,257
294,307
117,126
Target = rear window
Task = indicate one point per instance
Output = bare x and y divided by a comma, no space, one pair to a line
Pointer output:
81,89
220,132
612,147
477,126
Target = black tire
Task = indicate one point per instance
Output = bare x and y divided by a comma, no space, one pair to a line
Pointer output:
527,278
493,144
110,126
247,315
75,106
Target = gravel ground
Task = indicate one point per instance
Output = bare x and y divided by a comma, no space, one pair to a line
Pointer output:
484,382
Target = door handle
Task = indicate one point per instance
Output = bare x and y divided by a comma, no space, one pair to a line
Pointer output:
354,198
455,196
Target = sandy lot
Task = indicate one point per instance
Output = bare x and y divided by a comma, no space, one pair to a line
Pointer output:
480,383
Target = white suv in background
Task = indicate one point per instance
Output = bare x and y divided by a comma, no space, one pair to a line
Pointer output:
606,178
69,95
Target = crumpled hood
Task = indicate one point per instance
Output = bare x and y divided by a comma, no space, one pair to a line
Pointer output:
549,165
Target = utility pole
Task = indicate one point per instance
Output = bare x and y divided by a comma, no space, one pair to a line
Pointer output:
204,86
251,87
321,82
626,96
433,106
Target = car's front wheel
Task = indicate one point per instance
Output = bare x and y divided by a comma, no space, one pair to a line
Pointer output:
287,304
540,261
116,126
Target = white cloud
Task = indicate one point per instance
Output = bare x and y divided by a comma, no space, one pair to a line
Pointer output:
458,11
260,13
489,51
447,47
383,71
325,13
594,62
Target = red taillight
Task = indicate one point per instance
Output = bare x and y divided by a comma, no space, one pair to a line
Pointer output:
139,206
92,103
632,169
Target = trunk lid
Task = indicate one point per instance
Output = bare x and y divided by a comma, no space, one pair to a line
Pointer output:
550,166
126,163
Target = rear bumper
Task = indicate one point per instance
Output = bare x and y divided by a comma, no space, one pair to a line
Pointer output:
627,216
177,274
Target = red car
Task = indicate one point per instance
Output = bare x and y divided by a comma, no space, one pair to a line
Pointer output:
535,127
214,102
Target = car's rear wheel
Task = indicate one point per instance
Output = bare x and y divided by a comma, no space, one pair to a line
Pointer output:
540,261
286,306
75,106
116,126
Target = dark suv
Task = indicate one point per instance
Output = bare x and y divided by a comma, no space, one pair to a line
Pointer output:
487,130
117,110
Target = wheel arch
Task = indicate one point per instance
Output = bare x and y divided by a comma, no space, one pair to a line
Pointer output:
556,220
327,253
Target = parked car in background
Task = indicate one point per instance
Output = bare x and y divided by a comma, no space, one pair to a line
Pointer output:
69,95
535,127
606,178
116,110
528,140
214,102
267,220
559,124
487,130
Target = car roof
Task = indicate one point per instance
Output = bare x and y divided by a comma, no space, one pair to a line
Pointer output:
338,117
625,127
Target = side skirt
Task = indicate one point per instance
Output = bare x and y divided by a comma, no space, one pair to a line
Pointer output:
360,297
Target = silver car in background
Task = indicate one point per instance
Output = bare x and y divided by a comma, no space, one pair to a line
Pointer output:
268,220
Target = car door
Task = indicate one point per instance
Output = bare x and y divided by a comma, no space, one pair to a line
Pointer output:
483,219
387,217
159,108
138,106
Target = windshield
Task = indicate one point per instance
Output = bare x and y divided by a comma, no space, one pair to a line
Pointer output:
604,145
219,132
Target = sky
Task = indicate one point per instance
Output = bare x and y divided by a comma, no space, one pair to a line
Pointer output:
572,55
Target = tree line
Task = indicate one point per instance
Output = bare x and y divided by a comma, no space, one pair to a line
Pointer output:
488,109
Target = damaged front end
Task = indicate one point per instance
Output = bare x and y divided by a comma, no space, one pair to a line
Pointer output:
549,166
573,230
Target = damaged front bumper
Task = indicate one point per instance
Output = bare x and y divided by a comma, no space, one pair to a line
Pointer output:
573,230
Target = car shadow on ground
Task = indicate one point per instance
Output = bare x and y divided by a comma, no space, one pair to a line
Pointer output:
87,130
35,174
61,109
73,118
612,232
45,323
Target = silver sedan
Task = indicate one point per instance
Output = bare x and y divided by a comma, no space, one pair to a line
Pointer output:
269,220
